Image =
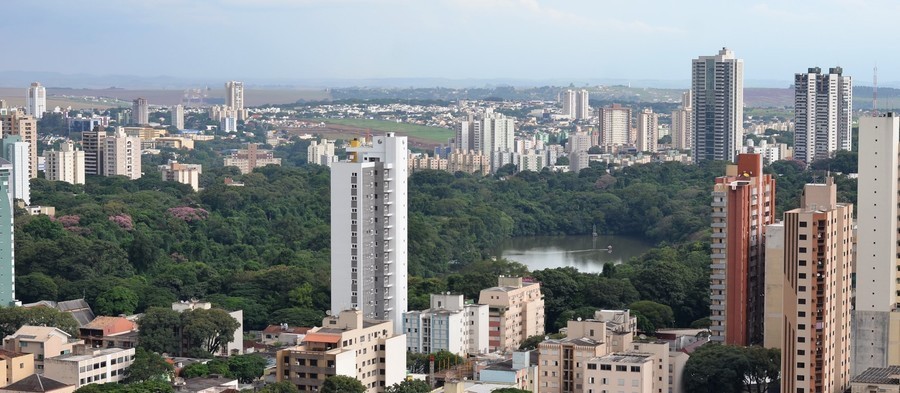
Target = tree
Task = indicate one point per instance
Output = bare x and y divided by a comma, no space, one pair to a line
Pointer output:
194,370
657,315
208,330
35,287
279,387
12,318
117,300
531,342
342,384
409,386
247,368
140,387
765,369
148,366
158,330
732,369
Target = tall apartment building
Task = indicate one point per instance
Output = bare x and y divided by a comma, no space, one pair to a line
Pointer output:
682,124
234,98
489,133
717,89
369,229
561,361
823,111
182,173
321,152
347,344
122,156
177,114
647,131
140,112
812,279
14,122
516,312
7,240
14,150
94,145
743,204
250,158
36,100
448,325
876,315
576,104
615,125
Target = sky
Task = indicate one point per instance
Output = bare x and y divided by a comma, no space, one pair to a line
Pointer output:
454,39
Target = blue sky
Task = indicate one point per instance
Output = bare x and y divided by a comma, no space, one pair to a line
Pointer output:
457,39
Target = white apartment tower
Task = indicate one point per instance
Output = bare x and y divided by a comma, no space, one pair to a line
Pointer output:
647,131
178,116
65,165
576,104
234,98
122,155
140,112
368,229
18,152
876,317
682,120
568,103
823,111
615,125
36,100
717,86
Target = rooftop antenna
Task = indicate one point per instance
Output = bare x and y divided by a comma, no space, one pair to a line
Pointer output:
875,91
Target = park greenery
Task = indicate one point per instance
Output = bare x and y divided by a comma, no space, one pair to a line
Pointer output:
716,368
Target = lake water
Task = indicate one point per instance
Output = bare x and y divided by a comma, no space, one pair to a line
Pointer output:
585,253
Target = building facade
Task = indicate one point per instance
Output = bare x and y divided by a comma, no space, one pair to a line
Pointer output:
43,342
615,125
347,344
140,112
14,122
815,289
36,100
516,312
177,114
321,152
576,104
682,124
448,325
122,156
743,204
94,145
85,366
717,90
250,158
14,150
65,165
7,239
369,229
876,316
182,173
647,131
234,99
823,112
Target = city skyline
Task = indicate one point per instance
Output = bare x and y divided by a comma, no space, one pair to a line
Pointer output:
320,48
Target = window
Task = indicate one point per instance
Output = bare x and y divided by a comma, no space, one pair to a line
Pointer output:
606,367
621,368
591,366
802,224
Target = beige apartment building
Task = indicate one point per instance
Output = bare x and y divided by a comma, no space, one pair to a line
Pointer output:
816,260
877,380
468,162
123,156
18,366
515,312
346,344
630,372
86,366
14,122
41,341
65,165
182,173
561,362
250,158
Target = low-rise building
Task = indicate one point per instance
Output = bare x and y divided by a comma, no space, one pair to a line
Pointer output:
36,383
877,380
175,142
620,372
18,366
515,312
206,385
43,342
182,173
109,332
283,334
562,361
521,370
349,345
250,158
449,325
86,366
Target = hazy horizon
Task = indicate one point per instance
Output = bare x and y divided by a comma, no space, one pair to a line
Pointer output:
443,39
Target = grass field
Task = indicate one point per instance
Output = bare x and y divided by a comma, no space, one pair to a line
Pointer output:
424,133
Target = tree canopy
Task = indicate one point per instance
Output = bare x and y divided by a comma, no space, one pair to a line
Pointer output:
342,384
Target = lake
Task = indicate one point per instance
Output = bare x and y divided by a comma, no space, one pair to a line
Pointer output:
585,253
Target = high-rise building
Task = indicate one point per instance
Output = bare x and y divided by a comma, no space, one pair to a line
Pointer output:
823,111
17,152
743,204
94,145
682,120
36,100
369,229
516,310
228,124
717,87
234,98
178,116
576,104
140,112
647,131
449,325
811,276
321,152
14,122
7,243
465,135
66,165
497,133
122,155
615,125
876,315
